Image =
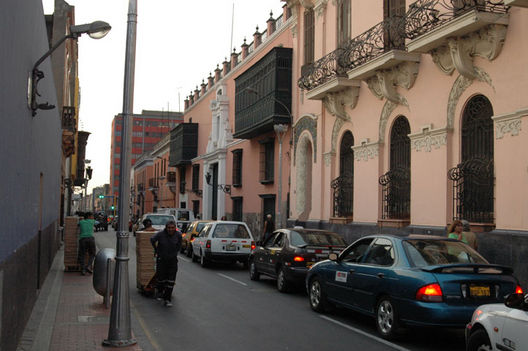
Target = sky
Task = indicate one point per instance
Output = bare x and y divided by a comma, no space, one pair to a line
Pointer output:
178,43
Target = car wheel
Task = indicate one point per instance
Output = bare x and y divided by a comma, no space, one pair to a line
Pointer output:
386,318
479,341
194,257
317,296
253,272
203,260
283,285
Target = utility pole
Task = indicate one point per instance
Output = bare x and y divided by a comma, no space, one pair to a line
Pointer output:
119,331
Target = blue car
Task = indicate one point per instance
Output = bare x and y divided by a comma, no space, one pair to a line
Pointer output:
416,280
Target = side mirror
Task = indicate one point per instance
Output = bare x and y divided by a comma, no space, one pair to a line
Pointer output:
514,301
332,257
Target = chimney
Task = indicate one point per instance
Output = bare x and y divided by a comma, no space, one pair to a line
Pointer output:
217,76
210,81
196,94
271,25
186,103
244,50
234,59
191,98
203,90
257,39
225,66
285,12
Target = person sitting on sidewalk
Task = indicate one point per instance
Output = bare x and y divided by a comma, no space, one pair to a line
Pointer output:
147,224
167,244
86,242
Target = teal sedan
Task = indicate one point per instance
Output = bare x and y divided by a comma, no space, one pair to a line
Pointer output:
416,280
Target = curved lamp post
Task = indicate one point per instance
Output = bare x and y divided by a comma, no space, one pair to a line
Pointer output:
96,30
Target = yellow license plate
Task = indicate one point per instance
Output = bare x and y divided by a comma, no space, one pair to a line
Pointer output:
479,291
246,245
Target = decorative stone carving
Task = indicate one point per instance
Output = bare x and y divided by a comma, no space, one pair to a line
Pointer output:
320,7
383,84
428,138
335,103
509,123
388,108
459,52
308,123
366,150
328,158
307,4
338,124
460,85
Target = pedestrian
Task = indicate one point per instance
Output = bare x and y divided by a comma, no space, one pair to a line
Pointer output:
147,226
455,231
224,218
167,244
268,229
86,242
469,235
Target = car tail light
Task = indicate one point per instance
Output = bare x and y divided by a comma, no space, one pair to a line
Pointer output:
253,246
298,259
192,239
518,290
430,293
208,244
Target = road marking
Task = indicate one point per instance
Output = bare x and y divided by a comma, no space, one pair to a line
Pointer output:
152,341
233,279
359,331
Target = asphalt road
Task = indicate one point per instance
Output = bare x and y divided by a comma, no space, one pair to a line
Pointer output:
220,308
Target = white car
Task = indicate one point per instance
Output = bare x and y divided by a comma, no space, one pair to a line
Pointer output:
158,220
223,241
501,327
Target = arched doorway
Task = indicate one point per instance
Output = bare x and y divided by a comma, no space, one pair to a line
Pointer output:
396,183
343,186
473,178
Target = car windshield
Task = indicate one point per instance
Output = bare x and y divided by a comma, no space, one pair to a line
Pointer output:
316,239
423,252
160,220
231,231
200,226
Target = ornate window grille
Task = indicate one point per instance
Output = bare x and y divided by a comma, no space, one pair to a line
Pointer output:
343,187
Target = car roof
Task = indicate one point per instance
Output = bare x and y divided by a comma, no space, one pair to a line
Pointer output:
229,222
308,230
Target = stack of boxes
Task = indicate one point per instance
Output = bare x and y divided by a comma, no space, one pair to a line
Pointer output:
146,262
71,244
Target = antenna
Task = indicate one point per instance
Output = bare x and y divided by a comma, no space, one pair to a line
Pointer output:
232,25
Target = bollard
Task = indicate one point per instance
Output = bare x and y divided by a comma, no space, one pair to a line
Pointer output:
103,275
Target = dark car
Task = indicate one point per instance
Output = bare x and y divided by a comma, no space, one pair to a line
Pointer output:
101,223
412,280
288,254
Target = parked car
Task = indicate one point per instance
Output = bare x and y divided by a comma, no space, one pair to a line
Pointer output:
413,280
223,241
158,220
188,237
289,253
496,327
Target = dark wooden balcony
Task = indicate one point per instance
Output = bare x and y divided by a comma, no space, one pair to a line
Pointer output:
263,94
183,144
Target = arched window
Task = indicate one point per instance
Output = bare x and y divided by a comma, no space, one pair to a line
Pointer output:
396,192
473,178
343,186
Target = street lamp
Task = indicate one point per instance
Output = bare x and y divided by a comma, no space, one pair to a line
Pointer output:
280,130
96,30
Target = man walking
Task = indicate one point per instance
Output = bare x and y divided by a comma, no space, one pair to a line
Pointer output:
86,242
167,244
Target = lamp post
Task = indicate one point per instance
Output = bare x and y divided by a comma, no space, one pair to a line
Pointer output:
119,331
96,30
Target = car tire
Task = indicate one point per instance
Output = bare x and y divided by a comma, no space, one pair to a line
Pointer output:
479,341
317,296
253,271
283,285
203,260
387,321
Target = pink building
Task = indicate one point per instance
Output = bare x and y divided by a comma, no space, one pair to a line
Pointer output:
410,115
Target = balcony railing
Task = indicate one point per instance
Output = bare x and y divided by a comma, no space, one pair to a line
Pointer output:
396,200
426,15
322,70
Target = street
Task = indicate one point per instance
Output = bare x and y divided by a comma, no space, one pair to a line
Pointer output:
221,308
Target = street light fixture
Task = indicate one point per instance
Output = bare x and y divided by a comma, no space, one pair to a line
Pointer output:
96,30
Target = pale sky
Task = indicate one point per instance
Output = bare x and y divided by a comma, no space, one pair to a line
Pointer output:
178,43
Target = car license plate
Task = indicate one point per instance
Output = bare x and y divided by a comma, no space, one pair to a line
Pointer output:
246,246
230,247
479,291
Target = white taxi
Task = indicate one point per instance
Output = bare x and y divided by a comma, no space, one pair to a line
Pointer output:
499,326
223,241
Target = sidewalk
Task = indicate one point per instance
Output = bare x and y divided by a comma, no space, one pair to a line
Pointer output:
68,315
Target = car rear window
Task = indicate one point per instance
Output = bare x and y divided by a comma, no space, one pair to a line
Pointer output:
160,220
316,239
231,231
438,252
200,226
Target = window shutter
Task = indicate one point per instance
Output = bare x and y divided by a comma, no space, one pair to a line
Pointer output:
262,162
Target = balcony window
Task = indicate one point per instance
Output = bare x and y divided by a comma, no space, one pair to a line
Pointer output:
309,36
237,168
343,22
267,161
195,177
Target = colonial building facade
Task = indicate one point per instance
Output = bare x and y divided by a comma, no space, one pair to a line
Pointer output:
410,115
